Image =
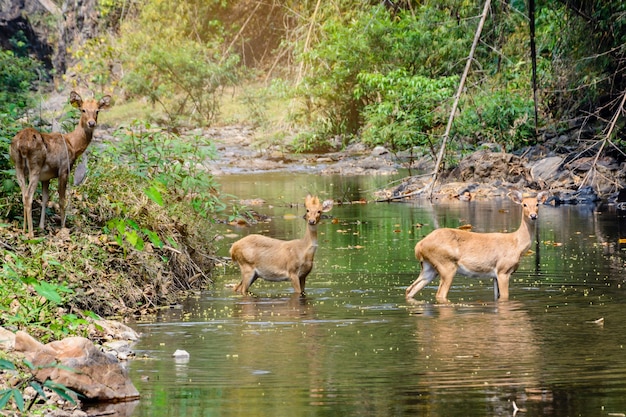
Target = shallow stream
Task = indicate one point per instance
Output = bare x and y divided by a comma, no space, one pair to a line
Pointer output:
354,346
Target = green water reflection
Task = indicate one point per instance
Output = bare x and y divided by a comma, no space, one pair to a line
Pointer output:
355,346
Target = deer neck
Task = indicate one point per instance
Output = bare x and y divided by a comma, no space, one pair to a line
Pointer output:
524,235
310,239
78,140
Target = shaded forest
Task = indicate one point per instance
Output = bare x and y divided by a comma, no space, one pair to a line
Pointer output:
384,73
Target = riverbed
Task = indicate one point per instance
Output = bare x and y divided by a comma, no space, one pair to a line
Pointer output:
355,346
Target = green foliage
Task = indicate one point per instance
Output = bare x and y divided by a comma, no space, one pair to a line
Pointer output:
30,299
179,64
369,48
502,117
174,165
17,74
403,110
94,60
24,377
581,55
129,231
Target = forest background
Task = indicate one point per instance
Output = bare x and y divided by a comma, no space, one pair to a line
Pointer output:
308,76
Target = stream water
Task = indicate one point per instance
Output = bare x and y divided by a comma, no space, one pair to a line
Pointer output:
355,346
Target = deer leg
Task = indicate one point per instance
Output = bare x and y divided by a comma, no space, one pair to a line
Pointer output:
62,189
425,277
302,284
45,195
503,286
496,290
447,275
298,283
248,276
27,197
21,181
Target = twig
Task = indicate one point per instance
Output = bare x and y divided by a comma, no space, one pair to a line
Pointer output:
6,246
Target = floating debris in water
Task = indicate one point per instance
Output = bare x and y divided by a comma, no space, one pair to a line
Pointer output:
180,354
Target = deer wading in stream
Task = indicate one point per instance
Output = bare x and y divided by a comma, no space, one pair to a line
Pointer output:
280,260
43,156
446,252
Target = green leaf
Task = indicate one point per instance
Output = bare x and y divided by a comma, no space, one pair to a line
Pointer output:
154,238
7,365
5,396
135,240
18,398
61,390
37,387
154,194
48,291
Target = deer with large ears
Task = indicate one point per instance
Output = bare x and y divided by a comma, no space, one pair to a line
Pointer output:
280,260
446,252
43,156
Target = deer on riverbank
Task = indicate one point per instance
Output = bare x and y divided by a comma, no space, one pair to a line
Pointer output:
446,252
280,260
43,156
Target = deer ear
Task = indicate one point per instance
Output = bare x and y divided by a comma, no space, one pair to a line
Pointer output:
516,196
75,99
327,205
104,102
542,197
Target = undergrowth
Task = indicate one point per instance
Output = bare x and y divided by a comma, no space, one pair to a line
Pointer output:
139,233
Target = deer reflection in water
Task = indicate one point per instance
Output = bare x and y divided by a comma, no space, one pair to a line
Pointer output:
293,306
490,348
272,325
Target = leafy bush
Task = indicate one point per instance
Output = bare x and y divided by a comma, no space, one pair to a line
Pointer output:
179,64
502,117
372,46
30,298
17,74
403,110
172,164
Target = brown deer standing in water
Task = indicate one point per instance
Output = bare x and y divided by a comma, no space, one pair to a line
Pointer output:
279,260
446,252
43,156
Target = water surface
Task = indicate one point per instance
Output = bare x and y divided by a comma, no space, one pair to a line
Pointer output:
355,346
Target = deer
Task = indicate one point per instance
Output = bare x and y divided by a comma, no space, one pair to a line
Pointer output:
446,252
280,260
43,156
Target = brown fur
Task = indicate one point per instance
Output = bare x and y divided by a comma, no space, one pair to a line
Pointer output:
43,156
279,260
445,252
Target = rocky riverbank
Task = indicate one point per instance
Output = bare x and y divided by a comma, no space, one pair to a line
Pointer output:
574,171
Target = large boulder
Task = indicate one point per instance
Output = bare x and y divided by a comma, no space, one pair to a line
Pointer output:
94,374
